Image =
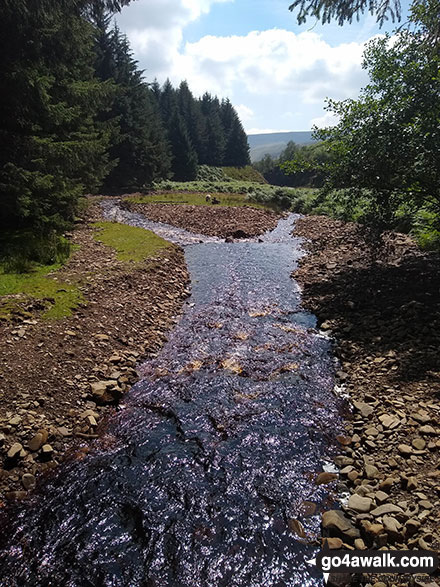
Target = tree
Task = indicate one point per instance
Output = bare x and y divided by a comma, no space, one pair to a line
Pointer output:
214,139
344,10
184,157
386,145
237,146
52,146
140,147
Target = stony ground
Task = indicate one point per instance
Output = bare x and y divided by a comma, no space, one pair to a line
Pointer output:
60,379
382,306
212,220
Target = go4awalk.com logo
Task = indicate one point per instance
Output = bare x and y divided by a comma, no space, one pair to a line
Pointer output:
375,561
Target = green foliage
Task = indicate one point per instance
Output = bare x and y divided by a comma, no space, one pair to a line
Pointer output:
132,244
52,147
247,173
344,11
22,250
385,147
297,166
140,148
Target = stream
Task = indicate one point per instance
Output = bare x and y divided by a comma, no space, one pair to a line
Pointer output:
213,453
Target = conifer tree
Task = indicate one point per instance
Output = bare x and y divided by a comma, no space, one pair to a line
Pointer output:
184,157
140,149
52,147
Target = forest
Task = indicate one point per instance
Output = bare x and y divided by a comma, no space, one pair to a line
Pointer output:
78,117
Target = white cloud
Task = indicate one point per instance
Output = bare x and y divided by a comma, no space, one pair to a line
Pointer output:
329,119
276,60
274,75
244,112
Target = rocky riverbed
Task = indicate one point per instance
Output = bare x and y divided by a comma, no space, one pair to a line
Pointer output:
213,220
379,300
60,379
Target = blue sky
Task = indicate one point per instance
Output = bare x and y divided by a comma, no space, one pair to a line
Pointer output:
276,73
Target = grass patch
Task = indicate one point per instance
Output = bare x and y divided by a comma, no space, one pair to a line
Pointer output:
62,298
131,244
194,199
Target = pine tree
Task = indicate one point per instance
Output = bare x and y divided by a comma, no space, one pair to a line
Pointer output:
214,139
140,149
184,157
51,146
237,147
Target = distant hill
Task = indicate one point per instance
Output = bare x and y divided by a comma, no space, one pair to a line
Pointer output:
274,143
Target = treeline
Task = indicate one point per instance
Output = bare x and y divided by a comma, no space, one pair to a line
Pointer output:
306,166
77,115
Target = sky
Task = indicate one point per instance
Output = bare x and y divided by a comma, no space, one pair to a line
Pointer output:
276,73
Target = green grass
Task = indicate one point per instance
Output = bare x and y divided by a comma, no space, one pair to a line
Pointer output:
247,173
194,199
62,297
131,244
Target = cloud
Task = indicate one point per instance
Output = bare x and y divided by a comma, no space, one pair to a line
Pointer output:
276,60
155,30
273,75
244,112
329,119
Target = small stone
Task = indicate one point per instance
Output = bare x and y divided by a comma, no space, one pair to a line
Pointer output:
36,442
386,484
297,528
419,443
372,472
28,481
325,478
427,430
425,504
332,543
386,508
380,496
412,526
405,449
334,521
308,508
363,408
372,431
15,421
359,544
392,526
359,504
14,451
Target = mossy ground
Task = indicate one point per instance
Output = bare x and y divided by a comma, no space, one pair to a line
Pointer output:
131,244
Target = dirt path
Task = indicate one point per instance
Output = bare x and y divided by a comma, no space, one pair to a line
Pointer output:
60,378
382,306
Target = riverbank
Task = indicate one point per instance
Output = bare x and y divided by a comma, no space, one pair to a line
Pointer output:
381,305
61,378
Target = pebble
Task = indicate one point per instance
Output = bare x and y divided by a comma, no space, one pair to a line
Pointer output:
28,481
325,478
359,504
387,508
14,451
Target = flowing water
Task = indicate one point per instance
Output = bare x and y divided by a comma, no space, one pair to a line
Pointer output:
213,452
